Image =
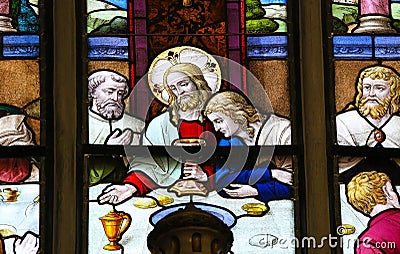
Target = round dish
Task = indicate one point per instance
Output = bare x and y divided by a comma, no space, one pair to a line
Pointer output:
255,208
7,230
145,203
165,199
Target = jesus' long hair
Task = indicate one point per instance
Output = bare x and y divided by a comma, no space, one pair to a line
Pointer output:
194,73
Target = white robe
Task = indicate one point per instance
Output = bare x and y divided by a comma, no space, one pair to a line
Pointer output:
354,130
14,131
161,132
100,129
162,170
276,131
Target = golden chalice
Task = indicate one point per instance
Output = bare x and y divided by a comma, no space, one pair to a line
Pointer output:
114,228
189,186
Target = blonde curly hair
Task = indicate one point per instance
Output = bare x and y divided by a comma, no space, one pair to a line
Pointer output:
380,72
364,191
236,107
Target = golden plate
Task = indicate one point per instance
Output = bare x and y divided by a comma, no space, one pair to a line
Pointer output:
165,199
255,208
7,230
145,203
346,229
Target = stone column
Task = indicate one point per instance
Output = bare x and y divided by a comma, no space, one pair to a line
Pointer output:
375,17
5,20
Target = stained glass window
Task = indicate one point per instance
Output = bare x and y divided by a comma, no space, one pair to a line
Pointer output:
25,132
189,107
364,80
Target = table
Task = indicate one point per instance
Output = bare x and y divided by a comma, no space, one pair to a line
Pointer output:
22,215
248,232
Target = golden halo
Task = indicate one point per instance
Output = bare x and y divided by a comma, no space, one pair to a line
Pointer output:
183,54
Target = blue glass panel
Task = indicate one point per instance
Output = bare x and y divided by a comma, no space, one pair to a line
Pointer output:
28,21
108,48
21,46
355,47
119,3
266,47
273,1
387,47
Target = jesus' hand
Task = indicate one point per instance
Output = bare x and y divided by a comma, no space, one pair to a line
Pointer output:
192,170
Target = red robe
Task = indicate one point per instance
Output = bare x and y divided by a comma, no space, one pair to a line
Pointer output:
14,170
187,129
382,234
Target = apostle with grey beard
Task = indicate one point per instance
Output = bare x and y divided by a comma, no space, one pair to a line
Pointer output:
108,123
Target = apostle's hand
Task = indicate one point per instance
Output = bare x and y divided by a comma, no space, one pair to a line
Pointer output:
241,191
116,194
282,176
192,170
118,137
29,244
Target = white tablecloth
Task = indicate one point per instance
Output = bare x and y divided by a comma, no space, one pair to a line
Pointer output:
249,231
23,214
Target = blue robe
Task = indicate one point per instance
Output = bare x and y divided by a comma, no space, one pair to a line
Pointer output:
258,177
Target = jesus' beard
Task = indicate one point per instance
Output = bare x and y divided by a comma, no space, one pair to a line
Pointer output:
376,112
189,102
110,109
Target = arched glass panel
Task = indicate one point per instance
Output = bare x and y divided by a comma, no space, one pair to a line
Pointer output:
189,102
